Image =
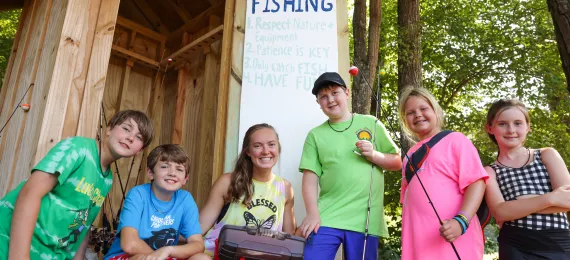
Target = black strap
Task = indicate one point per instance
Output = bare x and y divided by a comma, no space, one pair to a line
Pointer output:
420,155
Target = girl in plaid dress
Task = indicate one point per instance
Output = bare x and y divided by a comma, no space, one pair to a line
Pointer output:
528,191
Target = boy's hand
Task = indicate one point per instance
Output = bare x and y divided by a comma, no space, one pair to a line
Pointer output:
160,254
311,223
450,230
366,149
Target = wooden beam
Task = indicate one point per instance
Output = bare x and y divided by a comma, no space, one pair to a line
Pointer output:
196,23
185,53
151,15
222,103
122,21
180,10
147,62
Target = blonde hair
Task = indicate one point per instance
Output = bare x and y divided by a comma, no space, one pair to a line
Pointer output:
411,91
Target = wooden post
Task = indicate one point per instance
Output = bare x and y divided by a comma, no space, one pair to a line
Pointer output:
182,82
223,92
208,120
234,84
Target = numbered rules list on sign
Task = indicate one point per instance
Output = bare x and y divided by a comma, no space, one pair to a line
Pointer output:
287,45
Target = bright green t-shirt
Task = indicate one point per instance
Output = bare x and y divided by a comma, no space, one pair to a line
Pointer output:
67,211
344,176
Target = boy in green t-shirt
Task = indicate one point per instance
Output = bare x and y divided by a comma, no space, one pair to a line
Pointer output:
337,155
48,215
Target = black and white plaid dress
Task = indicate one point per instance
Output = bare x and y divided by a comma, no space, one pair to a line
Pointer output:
532,179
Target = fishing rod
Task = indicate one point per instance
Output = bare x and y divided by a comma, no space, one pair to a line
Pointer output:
354,72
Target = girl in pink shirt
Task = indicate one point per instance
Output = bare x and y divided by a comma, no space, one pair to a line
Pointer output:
454,179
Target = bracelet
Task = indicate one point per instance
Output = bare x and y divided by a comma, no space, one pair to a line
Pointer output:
461,223
461,212
464,218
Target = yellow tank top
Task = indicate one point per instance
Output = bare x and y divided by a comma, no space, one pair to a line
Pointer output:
266,210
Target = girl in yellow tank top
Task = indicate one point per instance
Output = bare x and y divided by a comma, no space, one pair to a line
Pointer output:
251,195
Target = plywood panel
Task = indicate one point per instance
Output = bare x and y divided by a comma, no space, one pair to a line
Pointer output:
154,112
31,130
207,128
147,47
75,97
135,95
69,62
12,134
113,83
98,64
170,89
191,140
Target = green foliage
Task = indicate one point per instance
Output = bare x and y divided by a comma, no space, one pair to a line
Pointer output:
8,27
475,52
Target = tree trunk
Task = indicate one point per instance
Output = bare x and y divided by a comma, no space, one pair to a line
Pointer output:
365,57
560,11
409,49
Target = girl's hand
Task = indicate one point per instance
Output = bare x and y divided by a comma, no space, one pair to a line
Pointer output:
450,230
366,149
561,197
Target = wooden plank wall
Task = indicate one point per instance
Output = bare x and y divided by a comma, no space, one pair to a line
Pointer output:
50,70
65,48
177,119
131,85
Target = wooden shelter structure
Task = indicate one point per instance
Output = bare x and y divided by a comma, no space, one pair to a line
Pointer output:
74,60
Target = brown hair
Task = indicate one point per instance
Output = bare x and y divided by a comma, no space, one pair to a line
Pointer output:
411,91
168,153
242,177
143,121
501,105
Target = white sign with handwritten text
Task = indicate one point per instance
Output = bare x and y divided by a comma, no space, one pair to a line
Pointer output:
288,44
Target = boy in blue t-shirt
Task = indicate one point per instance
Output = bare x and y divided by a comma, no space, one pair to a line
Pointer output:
157,213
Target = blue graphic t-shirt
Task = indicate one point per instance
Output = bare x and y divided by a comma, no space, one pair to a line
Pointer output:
158,223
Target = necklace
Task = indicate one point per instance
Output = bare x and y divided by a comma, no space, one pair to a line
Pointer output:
340,131
527,160
152,203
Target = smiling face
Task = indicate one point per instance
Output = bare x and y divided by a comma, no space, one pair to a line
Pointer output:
168,176
125,139
420,117
509,127
333,101
263,149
